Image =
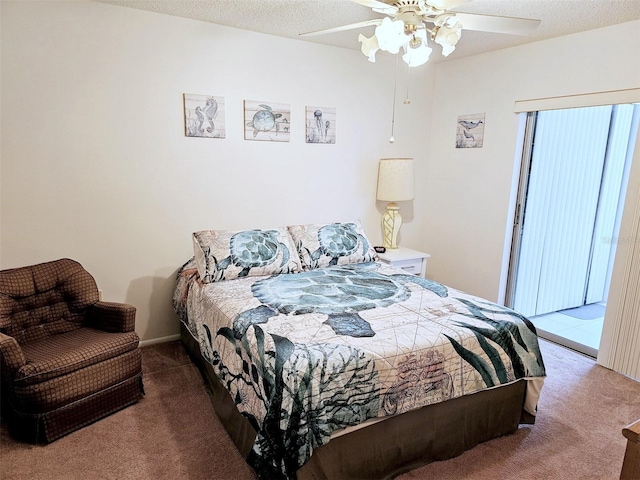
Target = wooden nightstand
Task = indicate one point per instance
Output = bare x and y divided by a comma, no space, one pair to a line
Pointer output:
411,261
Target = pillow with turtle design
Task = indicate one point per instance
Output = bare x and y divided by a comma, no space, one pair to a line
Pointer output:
225,255
331,244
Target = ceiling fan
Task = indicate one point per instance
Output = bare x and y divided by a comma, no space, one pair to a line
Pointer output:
409,23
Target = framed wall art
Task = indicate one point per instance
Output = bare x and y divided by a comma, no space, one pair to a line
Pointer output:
470,131
320,124
267,121
204,116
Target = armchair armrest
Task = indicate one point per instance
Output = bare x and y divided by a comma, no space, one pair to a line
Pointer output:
632,432
631,462
113,317
11,356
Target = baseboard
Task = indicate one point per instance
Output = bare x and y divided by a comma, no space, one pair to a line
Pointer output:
153,341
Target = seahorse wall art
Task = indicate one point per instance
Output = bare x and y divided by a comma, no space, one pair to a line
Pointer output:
204,116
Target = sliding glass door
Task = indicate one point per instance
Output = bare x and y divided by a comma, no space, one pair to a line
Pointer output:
571,186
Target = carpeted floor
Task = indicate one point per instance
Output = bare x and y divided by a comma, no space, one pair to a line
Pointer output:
173,432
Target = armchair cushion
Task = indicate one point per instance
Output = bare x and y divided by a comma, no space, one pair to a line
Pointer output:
60,354
84,384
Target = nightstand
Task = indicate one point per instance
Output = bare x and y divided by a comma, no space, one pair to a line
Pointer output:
411,261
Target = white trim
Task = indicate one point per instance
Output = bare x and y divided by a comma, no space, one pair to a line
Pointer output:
153,341
511,213
613,97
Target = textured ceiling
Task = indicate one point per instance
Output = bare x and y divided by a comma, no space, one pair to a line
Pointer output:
289,18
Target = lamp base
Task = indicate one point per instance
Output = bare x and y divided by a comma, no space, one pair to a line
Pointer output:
391,223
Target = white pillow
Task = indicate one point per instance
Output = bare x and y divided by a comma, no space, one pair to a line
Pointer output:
225,255
331,244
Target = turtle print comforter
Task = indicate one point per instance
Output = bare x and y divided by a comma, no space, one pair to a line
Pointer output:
304,355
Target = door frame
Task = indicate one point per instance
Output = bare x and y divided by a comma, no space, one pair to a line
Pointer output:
520,203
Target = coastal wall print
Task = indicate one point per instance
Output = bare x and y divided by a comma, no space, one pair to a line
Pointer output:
470,131
321,124
267,121
204,116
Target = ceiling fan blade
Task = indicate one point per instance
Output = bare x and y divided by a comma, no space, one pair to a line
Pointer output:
495,24
446,4
379,6
352,26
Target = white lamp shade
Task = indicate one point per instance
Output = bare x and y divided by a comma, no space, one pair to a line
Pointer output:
390,35
448,35
416,56
369,46
395,179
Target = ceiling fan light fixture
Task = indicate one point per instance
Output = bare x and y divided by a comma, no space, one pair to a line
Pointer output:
448,34
369,46
390,35
417,55
407,20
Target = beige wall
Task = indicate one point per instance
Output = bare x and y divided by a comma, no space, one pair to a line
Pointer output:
468,192
95,165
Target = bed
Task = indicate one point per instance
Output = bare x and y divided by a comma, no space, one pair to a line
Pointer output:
325,363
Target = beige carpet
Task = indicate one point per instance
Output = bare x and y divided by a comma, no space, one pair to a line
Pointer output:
173,432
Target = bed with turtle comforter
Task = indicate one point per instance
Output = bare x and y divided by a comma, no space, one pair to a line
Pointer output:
325,363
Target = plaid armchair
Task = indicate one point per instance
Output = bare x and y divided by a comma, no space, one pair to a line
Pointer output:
67,359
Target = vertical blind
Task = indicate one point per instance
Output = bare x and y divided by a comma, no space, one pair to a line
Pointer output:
559,218
610,202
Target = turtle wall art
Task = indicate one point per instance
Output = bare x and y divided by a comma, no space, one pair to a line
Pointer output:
267,121
321,124
204,116
470,131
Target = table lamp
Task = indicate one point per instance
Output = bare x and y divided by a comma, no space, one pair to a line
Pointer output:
395,184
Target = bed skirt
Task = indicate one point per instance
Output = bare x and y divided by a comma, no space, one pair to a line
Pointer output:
396,445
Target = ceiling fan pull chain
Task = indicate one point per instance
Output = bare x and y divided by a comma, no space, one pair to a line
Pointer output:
407,101
393,114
